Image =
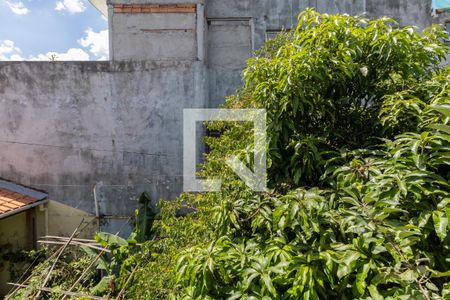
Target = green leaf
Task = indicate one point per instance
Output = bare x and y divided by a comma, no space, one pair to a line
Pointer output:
374,293
441,127
102,287
440,274
110,240
361,278
268,284
347,263
440,224
443,109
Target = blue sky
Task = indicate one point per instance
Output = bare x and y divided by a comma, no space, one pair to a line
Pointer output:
441,3
37,29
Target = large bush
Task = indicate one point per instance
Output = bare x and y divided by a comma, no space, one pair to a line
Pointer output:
359,167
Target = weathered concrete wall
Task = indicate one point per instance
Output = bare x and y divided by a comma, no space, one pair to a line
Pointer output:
154,36
226,31
406,12
135,32
229,31
159,34
444,19
283,14
67,126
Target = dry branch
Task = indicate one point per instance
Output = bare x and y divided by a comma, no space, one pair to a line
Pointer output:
49,290
93,246
60,252
85,272
122,291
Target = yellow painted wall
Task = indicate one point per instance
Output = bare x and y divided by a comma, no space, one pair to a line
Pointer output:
13,237
63,220
13,231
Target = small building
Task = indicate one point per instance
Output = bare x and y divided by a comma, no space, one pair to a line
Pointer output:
18,207
26,215
19,211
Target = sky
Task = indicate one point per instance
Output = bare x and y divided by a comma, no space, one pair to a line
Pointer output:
441,3
52,30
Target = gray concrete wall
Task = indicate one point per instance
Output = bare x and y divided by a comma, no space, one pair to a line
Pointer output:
133,32
406,12
154,36
231,30
67,126
283,14
444,19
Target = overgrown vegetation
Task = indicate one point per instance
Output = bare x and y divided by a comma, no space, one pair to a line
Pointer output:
359,198
15,262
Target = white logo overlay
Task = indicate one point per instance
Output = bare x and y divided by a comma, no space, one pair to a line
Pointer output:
255,180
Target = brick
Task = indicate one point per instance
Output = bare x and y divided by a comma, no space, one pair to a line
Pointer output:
154,8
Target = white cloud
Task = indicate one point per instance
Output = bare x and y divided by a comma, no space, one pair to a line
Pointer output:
97,43
16,57
9,51
17,7
71,6
7,47
71,55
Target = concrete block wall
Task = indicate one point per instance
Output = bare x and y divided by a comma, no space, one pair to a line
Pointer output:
224,34
67,126
148,31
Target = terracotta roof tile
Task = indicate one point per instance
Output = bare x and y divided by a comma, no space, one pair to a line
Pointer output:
15,198
10,200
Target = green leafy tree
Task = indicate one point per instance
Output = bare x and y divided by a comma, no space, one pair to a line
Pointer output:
359,169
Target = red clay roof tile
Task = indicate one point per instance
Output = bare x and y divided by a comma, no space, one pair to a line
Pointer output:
10,200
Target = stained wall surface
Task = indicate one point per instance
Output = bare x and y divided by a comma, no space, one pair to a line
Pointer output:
68,126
